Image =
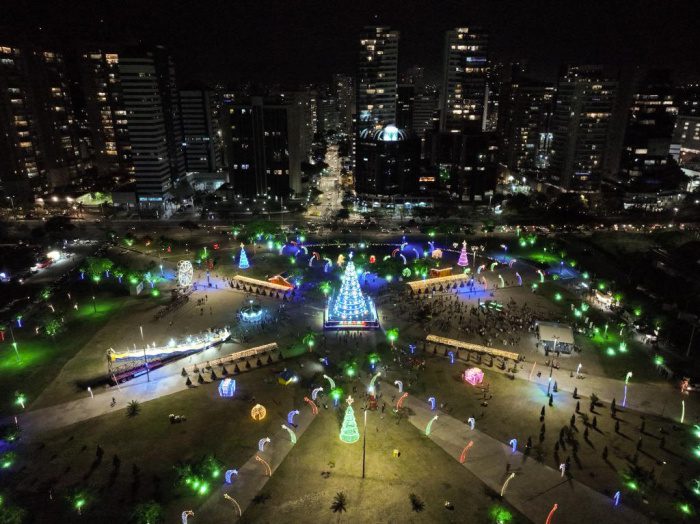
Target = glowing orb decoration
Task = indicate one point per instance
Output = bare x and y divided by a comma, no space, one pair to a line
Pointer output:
258,412
227,387
184,273
474,376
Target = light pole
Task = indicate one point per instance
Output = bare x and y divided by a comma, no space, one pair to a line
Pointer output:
12,203
364,445
14,342
145,357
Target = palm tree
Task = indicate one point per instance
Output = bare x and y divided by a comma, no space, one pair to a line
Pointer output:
133,408
416,503
339,503
148,513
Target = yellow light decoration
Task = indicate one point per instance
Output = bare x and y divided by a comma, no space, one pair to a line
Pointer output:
258,412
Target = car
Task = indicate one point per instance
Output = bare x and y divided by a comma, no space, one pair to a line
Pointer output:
345,231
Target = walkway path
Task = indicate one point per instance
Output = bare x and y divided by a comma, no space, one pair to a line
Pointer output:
535,488
57,416
252,476
657,399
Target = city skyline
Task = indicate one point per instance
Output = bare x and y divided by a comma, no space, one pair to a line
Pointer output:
222,42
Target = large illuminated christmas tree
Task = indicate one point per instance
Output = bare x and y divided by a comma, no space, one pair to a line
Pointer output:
463,258
350,309
348,431
243,259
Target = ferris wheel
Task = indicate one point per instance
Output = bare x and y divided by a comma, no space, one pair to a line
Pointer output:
185,273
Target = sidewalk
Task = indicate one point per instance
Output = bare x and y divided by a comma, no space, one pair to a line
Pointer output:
656,399
52,417
252,476
535,488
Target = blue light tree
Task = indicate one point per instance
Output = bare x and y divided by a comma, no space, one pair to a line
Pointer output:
350,303
243,259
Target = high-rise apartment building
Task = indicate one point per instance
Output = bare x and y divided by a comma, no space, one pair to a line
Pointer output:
425,112
652,116
146,125
465,69
685,144
580,128
57,127
105,113
405,103
328,115
263,138
525,122
342,90
199,129
19,140
170,101
377,74
38,132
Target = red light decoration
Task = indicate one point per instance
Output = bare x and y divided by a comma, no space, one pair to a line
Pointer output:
465,451
372,259
399,404
314,408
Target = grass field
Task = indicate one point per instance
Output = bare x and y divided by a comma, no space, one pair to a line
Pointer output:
64,461
299,492
514,410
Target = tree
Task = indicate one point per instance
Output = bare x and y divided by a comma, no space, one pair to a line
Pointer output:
348,431
339,503
12,514
148,513
519,202
53,327
416,503
133,408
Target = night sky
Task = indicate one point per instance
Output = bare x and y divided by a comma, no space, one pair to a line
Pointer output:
306,40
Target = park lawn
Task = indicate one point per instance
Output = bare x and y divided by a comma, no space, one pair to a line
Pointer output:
615,363
383,496
42,357
64,458
514,411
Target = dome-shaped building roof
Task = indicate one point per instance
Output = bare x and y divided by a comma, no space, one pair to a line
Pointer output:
389,133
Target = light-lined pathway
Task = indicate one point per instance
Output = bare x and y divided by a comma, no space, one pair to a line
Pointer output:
656,399
535,488
253,475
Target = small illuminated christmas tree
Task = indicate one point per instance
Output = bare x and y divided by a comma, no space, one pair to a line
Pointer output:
348,431
243,259
463,258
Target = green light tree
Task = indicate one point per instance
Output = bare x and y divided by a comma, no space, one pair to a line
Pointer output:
348,431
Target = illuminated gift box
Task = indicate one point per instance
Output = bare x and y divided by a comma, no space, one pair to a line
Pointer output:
474,376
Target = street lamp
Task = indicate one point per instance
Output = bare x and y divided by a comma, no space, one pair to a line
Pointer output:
364,445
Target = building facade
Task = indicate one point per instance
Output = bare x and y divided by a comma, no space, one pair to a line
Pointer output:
105,113
39,147
525,128
377,75
264,146
199,130
464,83
387,162
652,116
581,123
